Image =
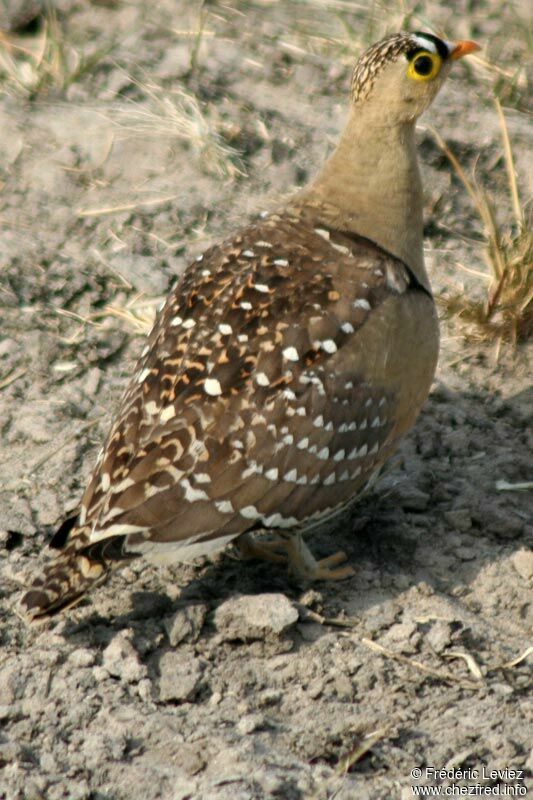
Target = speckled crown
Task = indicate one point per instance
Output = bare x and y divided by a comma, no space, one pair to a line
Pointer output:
388,49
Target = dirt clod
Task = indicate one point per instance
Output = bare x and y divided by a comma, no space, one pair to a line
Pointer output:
254,617
180,676
186,624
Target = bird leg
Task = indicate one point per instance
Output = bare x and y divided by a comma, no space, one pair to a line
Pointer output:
250,548
297,555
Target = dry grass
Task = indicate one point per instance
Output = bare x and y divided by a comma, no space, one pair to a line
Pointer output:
177,115
136,314
36,65
505,313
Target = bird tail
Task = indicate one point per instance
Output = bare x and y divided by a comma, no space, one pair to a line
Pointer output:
64,581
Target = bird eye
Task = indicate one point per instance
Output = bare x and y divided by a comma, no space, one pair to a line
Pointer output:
424,66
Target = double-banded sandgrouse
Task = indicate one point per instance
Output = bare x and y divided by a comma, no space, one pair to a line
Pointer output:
286,364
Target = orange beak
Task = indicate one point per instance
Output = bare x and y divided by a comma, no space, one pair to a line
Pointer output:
463,48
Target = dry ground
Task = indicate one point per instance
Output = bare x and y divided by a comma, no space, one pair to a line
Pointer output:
132,135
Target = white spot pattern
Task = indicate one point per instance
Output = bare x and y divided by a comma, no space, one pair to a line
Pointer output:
224,506
167,414
250,512
212,387
329,346
191,494
341,248
291,354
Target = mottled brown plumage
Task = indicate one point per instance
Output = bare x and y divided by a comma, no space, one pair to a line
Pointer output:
279,376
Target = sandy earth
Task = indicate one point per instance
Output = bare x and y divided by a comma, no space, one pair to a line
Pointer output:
221,680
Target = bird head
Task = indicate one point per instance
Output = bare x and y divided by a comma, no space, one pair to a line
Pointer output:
399,76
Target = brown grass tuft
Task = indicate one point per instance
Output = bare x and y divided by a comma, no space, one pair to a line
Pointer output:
34,66
505,313
177,114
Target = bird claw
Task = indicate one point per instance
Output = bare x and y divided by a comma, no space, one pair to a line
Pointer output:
303,564
250,548
298,557
324,572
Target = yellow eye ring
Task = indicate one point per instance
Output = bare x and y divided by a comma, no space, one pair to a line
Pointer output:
424,66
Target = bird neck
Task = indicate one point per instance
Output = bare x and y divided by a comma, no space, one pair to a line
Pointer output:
371,185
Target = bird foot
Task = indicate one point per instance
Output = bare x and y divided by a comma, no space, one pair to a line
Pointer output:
323,571
304,565
295,553
250,548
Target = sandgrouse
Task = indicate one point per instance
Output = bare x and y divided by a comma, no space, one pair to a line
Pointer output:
286,364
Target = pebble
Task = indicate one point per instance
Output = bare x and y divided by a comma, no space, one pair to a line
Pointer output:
379,617
467,553
186,624
270,697
439,635
502,689
8,347
401,636
401,581
144,689
250,723
191,758
48,763
35,788
315,688
82,657
100,674
413,499
180,676
10,751
459,519
9,711
121,660
523,563
502,524
215,699
343,687
255,616
10,681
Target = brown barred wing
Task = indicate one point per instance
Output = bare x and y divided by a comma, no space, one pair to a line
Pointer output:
249,406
